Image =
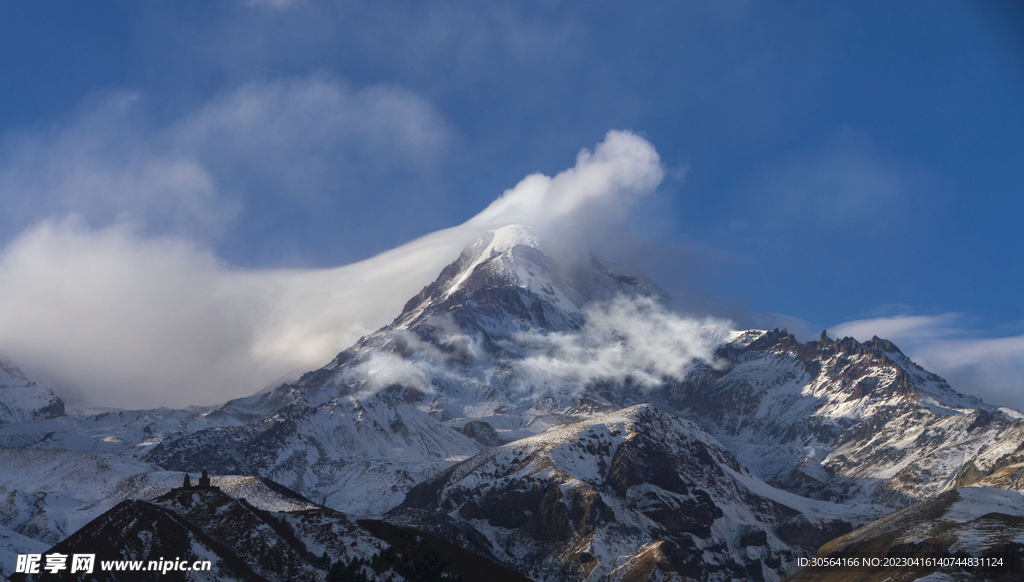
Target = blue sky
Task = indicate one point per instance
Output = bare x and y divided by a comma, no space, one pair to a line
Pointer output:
826,163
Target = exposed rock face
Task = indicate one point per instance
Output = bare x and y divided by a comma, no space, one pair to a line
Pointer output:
618,496
659,561
1009,477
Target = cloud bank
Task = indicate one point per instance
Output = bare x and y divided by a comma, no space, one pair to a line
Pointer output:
127,318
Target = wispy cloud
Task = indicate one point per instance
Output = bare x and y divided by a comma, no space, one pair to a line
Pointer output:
297,137
274,4
307,144
990,368
108,165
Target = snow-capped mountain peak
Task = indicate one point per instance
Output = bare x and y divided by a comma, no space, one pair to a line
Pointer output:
522,281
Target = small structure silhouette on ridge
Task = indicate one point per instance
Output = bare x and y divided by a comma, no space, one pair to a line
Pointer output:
204,482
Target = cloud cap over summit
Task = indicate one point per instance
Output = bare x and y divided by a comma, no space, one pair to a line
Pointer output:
132,321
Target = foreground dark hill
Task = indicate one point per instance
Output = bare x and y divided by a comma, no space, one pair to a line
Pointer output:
243,542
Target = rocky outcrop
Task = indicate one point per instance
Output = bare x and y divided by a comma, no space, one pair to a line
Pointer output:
482,433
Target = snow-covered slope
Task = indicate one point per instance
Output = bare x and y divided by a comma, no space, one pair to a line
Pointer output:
523,343
352,455
47,495
23,400
587,499
130,432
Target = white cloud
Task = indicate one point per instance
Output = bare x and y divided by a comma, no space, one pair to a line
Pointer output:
130,319
601,188
905,327
990,368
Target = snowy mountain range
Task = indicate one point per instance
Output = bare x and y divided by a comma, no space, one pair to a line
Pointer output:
541,408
